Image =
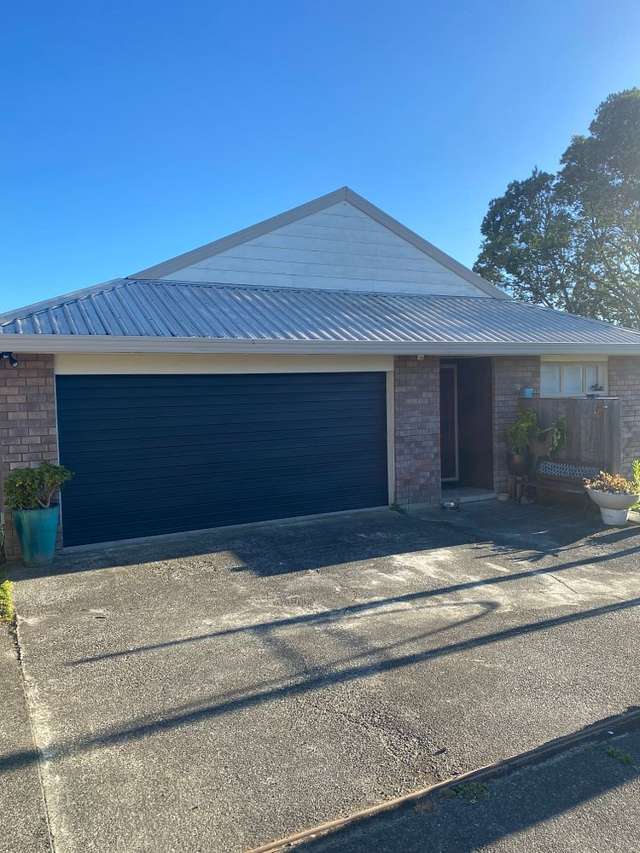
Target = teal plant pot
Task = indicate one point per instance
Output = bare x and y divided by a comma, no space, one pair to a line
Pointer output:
37,530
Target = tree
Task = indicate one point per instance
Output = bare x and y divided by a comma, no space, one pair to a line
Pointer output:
572,240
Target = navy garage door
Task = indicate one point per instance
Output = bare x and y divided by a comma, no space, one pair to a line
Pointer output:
159,454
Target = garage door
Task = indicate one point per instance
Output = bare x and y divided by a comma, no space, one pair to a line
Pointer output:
158,454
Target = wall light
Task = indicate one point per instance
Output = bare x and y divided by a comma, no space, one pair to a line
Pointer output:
10,357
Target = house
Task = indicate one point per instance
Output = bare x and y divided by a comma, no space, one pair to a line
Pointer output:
326,359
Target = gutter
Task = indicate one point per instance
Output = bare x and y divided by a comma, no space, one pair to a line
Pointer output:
132,344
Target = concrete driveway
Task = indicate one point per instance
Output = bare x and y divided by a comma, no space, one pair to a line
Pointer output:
214,691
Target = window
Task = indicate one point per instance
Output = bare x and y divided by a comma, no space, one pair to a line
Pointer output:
571,379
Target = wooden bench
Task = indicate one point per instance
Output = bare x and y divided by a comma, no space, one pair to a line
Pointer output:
562,481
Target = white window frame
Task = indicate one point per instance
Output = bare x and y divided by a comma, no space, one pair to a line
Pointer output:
601,372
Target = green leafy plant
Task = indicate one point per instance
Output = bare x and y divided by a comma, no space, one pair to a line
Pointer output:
522,431
471,792
619,755
526,434
34,488
557,435
615,484
7,611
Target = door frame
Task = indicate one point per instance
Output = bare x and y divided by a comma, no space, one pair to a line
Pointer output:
454,368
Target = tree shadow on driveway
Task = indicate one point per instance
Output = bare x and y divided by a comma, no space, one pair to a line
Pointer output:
583,799
277,548
301,683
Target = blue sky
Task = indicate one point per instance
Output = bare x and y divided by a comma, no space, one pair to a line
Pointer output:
135,131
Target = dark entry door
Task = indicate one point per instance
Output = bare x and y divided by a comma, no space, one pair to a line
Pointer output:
157,454
449,422
475,433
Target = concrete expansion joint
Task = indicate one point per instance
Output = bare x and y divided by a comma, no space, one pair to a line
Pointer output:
600,731
40,757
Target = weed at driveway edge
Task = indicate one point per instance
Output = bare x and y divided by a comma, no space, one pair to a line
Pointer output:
7,610
619,755
470,792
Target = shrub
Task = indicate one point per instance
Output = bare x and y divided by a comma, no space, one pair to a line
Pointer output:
526,431
522,431
613,483
33,488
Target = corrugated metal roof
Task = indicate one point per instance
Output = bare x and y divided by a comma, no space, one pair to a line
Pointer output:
168,309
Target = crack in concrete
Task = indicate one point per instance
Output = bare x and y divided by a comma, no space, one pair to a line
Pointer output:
396,740
564,584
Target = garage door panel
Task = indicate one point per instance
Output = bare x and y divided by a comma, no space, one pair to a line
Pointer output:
235,480
122,523
257,501
159,454
112,473
325,422
263,383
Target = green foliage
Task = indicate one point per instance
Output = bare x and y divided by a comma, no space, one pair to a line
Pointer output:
556,434
527,243
471,792
7,611
620,755
572,240
522,431
525,431
33,488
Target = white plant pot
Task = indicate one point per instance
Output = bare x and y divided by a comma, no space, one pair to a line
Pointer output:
614,508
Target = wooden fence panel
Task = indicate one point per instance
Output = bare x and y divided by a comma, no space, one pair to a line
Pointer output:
593,428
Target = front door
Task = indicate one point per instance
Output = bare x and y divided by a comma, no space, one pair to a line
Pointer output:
449,422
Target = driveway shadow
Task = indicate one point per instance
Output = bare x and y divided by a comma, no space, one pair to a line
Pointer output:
558,804
314,544
333,673
273,548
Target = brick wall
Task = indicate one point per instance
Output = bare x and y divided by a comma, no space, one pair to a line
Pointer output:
510,374
417,430
28,433
624,382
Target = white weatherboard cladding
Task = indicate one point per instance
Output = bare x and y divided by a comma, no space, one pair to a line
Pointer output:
338,248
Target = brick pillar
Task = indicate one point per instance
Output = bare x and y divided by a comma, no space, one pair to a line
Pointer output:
624,382
417,430
28,432
510,374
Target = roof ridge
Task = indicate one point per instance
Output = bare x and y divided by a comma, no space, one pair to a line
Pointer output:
220,285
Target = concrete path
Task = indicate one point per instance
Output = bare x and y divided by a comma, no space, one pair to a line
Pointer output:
23,825
212,692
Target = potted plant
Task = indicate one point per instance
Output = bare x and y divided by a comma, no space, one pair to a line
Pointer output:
29,492
614,494
550,440
518,437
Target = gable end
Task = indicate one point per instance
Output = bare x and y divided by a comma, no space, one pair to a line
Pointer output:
339,241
